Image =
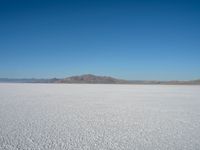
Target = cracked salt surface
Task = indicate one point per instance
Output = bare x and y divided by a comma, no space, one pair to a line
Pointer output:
95,117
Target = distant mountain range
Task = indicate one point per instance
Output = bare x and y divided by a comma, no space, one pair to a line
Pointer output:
94,79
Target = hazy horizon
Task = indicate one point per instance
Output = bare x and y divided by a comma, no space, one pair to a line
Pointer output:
34,78
133,40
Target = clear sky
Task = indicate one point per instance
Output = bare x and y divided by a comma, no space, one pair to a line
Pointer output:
143,39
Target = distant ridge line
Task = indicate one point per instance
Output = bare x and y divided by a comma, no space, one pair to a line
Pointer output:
95,79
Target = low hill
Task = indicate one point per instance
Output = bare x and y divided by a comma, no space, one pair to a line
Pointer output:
89,78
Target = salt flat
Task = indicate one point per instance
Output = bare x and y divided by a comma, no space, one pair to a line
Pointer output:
94,117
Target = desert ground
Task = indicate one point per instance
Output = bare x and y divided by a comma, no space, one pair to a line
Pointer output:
99,117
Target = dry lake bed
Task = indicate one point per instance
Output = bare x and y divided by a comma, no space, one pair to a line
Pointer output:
99,117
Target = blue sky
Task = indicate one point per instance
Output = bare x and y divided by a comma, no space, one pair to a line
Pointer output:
126,39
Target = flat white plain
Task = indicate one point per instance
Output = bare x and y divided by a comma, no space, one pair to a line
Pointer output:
94,117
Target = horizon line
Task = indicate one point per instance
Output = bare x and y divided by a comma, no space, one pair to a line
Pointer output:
48,78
